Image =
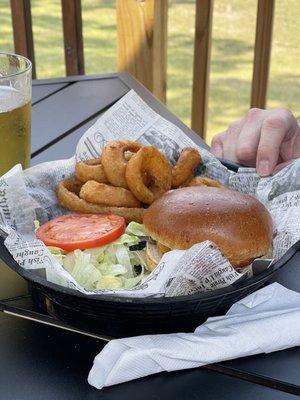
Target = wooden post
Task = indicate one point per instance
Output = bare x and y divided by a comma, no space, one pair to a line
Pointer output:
202,48
72,27
22,29
262,55
142,42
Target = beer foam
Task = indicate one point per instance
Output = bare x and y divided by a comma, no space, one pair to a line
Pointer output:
10,98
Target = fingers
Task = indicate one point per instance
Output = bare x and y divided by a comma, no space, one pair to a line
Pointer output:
273,132
262,139
290,147
249,137
217,145
224,143
230,142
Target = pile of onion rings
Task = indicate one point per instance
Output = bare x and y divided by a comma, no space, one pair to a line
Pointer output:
100,193
149,165
68,197
204,181
184,169
90,170
114,160
126,178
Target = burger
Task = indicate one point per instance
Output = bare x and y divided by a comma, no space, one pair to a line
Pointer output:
237,223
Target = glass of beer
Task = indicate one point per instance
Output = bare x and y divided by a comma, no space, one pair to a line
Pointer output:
15,111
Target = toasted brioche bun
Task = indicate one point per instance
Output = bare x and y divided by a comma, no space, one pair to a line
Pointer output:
153,256
237,223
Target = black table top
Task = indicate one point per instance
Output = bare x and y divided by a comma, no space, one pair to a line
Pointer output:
44,362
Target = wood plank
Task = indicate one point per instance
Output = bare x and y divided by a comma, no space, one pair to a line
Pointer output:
160,47
142,42
73,40
202,50
22,30
262,54
41,92
58,115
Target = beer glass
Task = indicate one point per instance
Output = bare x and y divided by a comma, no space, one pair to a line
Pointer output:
15,111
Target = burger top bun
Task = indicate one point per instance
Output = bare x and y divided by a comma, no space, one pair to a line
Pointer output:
237,223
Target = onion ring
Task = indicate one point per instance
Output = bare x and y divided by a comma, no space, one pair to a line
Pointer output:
150,166
204,181
67,194
90,170
185,166
114,160
107,195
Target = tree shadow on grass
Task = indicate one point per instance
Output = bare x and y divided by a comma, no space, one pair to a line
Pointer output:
95,5
100,50
228,55
181,2
49,22
231,47
285,90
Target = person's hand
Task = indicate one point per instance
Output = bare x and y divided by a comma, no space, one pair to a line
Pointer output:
267,139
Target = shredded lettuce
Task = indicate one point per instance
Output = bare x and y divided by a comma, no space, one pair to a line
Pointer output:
107,267
136,229
83,271
57,253
36,224
110,282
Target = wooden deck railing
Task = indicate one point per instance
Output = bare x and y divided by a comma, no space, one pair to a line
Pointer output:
142,46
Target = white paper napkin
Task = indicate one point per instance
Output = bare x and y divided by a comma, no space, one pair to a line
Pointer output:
265,321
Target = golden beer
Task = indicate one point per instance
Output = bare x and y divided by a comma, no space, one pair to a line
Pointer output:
15,124
15,111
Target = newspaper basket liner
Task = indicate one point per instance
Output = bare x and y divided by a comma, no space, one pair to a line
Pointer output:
118,316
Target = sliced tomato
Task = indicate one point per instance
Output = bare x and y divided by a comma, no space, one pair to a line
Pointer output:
81,231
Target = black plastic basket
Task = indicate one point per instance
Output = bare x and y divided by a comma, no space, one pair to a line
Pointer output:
119,317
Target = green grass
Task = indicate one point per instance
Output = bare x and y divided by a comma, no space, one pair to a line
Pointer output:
232,52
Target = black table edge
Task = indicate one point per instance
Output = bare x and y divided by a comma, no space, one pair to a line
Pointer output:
255,378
